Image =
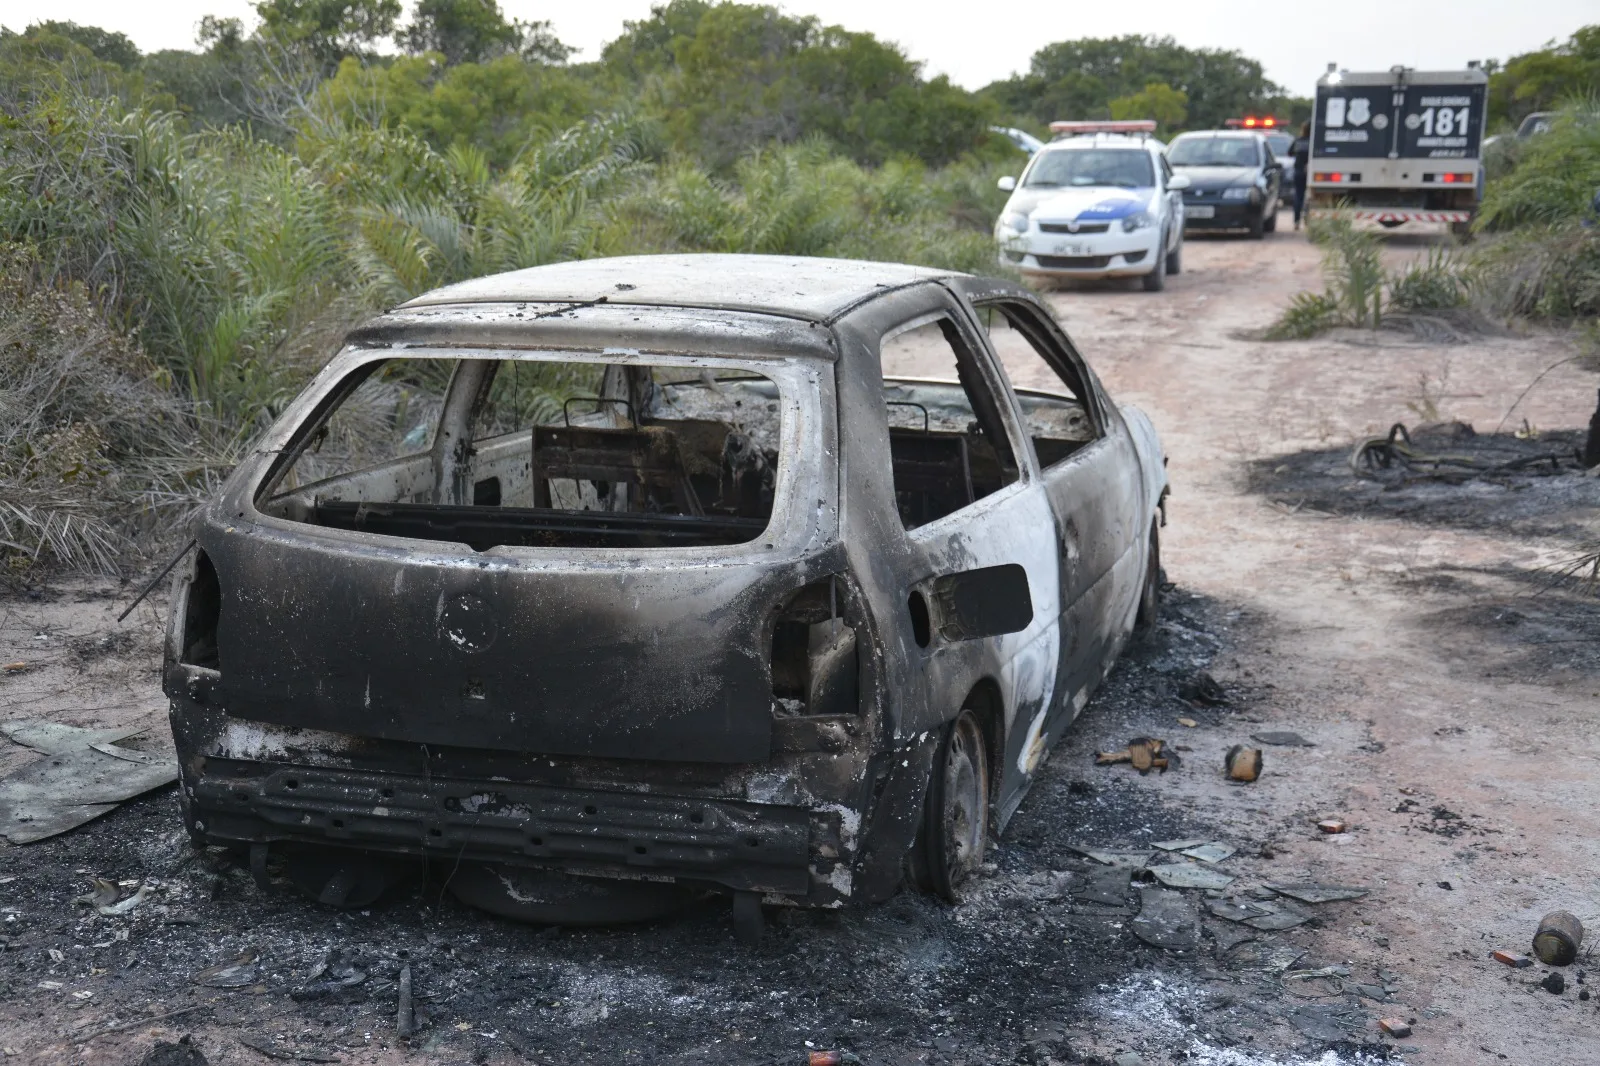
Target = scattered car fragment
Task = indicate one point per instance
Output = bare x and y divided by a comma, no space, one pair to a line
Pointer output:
1558,938
1395,1027
1510,958
1242,763
744,573
1318,893
83,775
1190,875
1333,825
1145,753
1282,739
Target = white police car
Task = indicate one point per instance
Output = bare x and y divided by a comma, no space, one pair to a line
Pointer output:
1099,201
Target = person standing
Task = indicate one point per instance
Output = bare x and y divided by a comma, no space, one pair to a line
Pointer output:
1301,150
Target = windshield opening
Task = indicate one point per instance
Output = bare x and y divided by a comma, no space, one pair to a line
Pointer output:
537,453
1280,142
1213,152
1128,168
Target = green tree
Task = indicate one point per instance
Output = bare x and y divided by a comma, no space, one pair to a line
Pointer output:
1157,100
731,77
496,108
331,29
473,31
106,45
1079,79
1543,80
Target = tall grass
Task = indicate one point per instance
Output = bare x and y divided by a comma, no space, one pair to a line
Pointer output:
208,273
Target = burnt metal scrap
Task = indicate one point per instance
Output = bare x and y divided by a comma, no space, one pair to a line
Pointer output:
690,588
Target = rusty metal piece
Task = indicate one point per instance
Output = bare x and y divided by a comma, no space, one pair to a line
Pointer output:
1110,758
1558,938
824,1058
1333,825
1242,763
1395,1027
1511,958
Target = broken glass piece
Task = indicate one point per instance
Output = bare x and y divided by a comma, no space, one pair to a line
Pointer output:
1179,845
1188,875
1210,852
1319,893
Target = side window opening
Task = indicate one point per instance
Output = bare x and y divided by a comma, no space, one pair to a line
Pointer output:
1054,399
947,441
539,453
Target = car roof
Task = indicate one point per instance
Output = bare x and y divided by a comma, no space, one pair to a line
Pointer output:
793,286
1219,133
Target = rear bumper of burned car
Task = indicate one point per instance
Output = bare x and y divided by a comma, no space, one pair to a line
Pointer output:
777,850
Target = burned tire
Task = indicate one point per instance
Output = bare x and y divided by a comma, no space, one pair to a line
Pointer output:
1150,593
955,820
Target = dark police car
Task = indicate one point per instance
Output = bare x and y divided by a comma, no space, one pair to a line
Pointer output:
1235,180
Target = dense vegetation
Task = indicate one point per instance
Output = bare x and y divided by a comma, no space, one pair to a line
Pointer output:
185,234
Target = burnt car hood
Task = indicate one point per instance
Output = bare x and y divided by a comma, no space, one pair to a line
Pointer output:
451,647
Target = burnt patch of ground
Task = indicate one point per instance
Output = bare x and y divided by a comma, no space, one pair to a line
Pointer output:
1535,497
1016,974
1527,627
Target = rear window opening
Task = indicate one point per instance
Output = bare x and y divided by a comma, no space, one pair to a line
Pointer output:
537,453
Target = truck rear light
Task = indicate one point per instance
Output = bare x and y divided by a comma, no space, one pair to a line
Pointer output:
1450,179
1336,176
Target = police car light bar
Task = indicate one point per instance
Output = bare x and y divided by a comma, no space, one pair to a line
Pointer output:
1132,125
1251,122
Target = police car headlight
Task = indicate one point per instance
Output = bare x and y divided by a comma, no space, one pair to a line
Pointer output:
1141,220
1238,192
1015,221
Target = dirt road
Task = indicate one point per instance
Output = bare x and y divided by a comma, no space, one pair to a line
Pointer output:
1452,714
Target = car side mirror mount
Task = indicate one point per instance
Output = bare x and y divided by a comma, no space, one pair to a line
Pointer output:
1007,184
987,602
1177,183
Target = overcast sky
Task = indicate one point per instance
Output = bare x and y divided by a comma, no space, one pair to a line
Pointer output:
978,43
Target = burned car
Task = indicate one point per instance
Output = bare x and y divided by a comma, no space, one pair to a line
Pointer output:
599,583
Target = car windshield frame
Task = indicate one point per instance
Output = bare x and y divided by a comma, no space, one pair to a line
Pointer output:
1212,159
1086,168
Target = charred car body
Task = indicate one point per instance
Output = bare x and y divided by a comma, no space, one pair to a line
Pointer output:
744,573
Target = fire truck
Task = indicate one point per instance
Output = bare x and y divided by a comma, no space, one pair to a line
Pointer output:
1399,146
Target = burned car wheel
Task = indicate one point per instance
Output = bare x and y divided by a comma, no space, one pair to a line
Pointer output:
955,823
1150,594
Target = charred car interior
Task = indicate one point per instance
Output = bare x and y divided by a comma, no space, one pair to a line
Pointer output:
620,582
493,452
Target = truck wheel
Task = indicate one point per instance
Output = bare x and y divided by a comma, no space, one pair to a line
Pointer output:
955,821
1461,231
1258,226
1156,280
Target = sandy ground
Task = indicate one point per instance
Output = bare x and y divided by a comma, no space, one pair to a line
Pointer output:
1451,702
